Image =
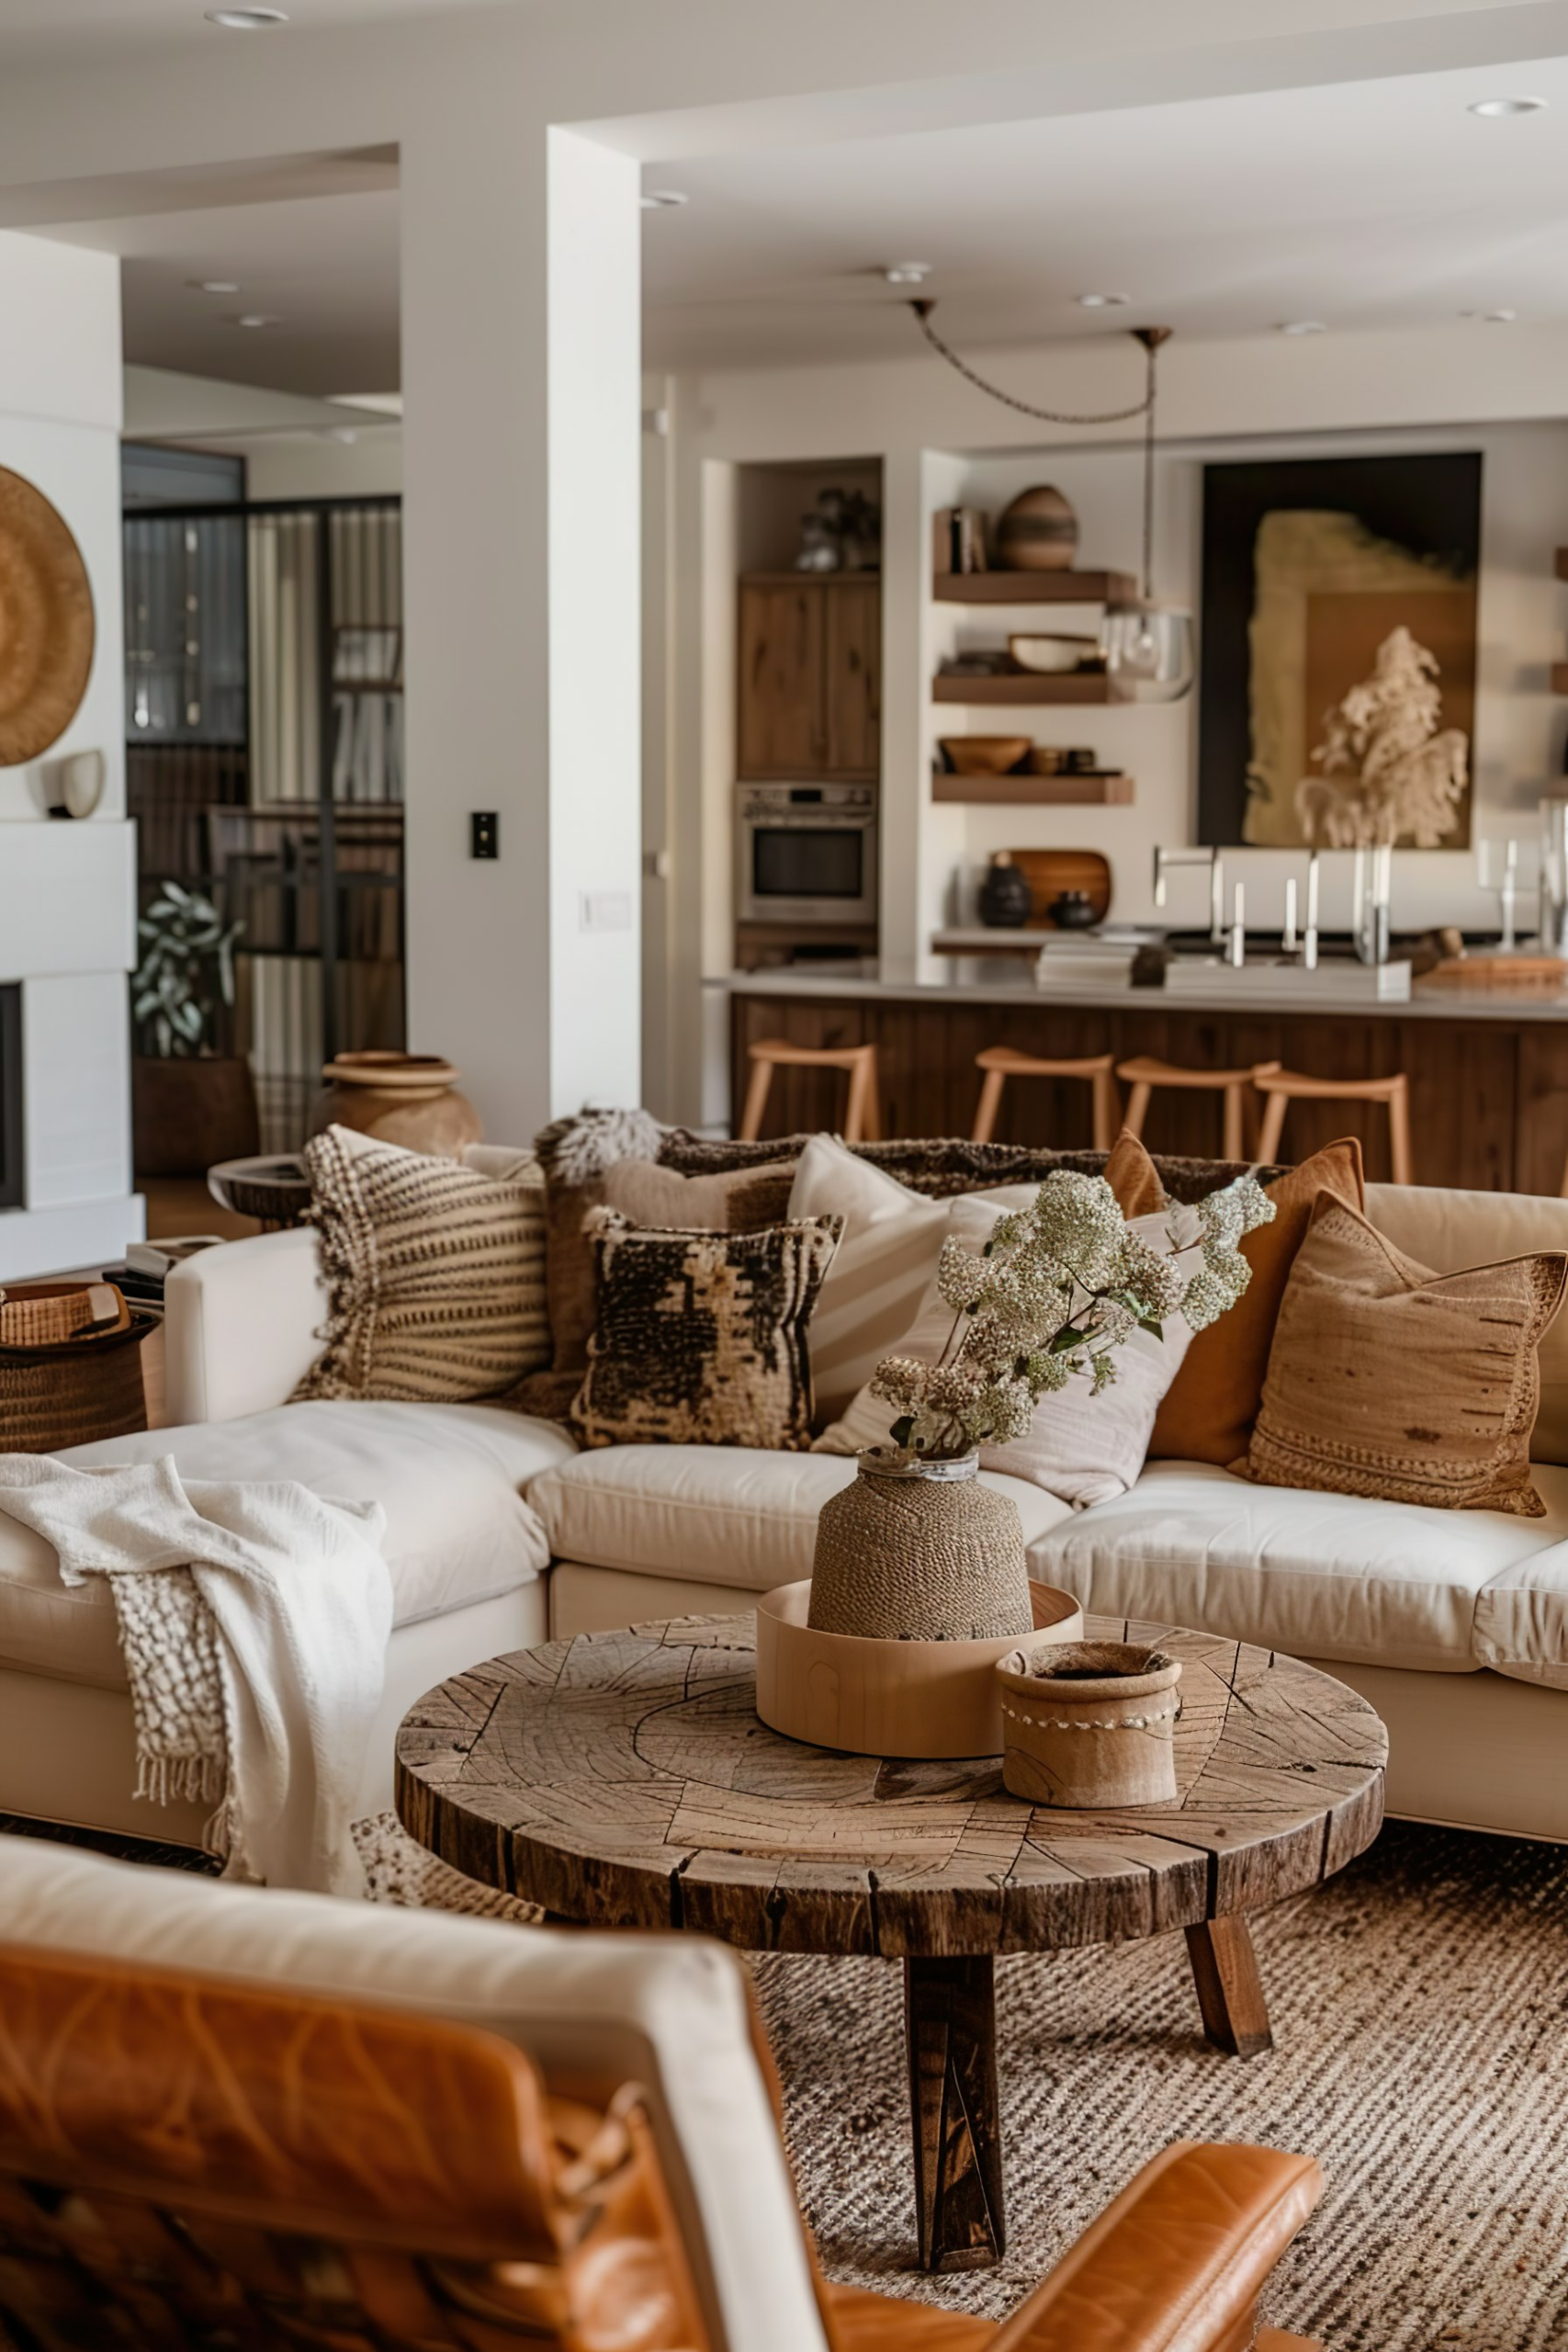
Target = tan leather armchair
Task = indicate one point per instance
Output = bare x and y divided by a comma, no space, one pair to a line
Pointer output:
188,2159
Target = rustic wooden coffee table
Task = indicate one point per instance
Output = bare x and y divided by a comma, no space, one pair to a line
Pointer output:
623,1780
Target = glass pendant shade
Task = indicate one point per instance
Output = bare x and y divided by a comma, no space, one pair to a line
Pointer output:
1148,652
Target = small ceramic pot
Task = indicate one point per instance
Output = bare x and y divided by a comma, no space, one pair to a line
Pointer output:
919,1551
1091,1725
1072,911
411,1100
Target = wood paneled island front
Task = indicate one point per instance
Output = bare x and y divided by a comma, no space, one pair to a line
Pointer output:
1488,1070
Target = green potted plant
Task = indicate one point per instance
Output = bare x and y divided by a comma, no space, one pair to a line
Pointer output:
191,1104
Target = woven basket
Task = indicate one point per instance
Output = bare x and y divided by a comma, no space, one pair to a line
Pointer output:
919,1551
56,1392
46,1315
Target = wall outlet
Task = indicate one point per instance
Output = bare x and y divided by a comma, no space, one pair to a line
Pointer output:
484,833
606,911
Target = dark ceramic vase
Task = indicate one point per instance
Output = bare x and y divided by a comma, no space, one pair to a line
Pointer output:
1005,901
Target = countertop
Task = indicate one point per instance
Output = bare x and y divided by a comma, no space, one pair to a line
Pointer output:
976,979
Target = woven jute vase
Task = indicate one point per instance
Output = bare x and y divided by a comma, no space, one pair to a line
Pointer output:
1091,1725
919,1551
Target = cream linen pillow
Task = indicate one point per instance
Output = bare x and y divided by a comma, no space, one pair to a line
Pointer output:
1387,1379
1083,1448
873,1288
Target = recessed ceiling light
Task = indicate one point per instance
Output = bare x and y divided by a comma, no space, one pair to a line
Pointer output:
247,20
213,284
256,319
1492,107
907,273
1103,302
1501,317
1303,326
664,199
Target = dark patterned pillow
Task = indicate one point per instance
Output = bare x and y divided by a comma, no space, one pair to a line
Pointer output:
701,1338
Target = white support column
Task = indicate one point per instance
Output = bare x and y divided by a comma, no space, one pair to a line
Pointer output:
522,398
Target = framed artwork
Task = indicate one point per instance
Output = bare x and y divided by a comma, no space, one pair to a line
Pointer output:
1339,618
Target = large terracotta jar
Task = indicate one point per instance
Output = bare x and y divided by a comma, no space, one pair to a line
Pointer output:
411,1100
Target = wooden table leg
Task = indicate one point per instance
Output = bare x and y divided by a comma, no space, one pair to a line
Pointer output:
951,2020
1230,1991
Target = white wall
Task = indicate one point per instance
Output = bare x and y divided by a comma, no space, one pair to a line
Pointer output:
60,409
67,890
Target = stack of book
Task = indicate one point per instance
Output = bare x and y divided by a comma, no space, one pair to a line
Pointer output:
1081,959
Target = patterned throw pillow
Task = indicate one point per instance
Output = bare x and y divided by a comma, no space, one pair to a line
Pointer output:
436,1273
701,1338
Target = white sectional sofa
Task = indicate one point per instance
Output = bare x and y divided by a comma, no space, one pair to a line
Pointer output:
1453,1624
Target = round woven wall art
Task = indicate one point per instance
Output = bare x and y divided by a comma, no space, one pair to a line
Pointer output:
45,623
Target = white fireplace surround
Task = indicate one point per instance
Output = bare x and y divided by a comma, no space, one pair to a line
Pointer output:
67,933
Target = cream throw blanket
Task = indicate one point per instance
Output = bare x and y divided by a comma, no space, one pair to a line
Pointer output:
254,1620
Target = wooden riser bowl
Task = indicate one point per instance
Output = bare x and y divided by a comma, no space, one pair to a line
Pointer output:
871,1698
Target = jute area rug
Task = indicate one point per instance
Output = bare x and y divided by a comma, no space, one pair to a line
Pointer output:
1420,2011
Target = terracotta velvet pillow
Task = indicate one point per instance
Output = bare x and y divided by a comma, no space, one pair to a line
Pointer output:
1389,1380
1209,1409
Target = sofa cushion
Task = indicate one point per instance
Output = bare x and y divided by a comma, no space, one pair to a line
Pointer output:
451,1478
717,1514
1324,1576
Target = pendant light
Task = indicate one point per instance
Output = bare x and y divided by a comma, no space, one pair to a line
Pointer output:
1149,647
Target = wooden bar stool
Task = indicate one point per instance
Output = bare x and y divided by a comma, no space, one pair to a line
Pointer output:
1000,1063
861,1119
1280,1088
1240,1107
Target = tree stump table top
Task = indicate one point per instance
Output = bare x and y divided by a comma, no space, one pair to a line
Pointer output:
624,1779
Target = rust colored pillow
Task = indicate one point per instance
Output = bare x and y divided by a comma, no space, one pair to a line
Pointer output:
1209,1409
1130,1174
1389,1380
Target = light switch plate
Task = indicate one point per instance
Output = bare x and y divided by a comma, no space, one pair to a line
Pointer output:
606,910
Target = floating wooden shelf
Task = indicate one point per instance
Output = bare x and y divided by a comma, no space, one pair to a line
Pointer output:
1103,790
1031,691
1559,677
1034,587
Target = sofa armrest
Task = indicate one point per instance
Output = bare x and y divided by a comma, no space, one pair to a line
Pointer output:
1175,2264
240,1324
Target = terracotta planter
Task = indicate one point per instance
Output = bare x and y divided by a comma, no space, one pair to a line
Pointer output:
919,1551
188,1112
1093,1726
411,1100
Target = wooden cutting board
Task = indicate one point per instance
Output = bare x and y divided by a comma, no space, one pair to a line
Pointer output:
1049,872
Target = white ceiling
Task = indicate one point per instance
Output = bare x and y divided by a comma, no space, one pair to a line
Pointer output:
1368,205
49,33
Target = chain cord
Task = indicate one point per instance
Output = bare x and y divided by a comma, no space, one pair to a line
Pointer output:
1145,408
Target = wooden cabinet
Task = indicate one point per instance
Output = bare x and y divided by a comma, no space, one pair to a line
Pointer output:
810,701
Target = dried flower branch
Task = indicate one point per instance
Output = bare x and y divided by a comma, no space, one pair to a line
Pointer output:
1062,1284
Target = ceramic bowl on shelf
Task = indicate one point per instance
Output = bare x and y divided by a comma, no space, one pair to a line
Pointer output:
1048,654
984,754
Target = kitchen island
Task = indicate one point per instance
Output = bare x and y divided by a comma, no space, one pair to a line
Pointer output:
1487,1065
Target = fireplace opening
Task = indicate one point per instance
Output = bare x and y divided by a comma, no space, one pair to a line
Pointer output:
11,1180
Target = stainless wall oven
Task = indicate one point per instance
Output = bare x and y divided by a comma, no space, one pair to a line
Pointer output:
806,852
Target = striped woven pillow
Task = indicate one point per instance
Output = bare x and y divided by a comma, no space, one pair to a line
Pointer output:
436,1273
